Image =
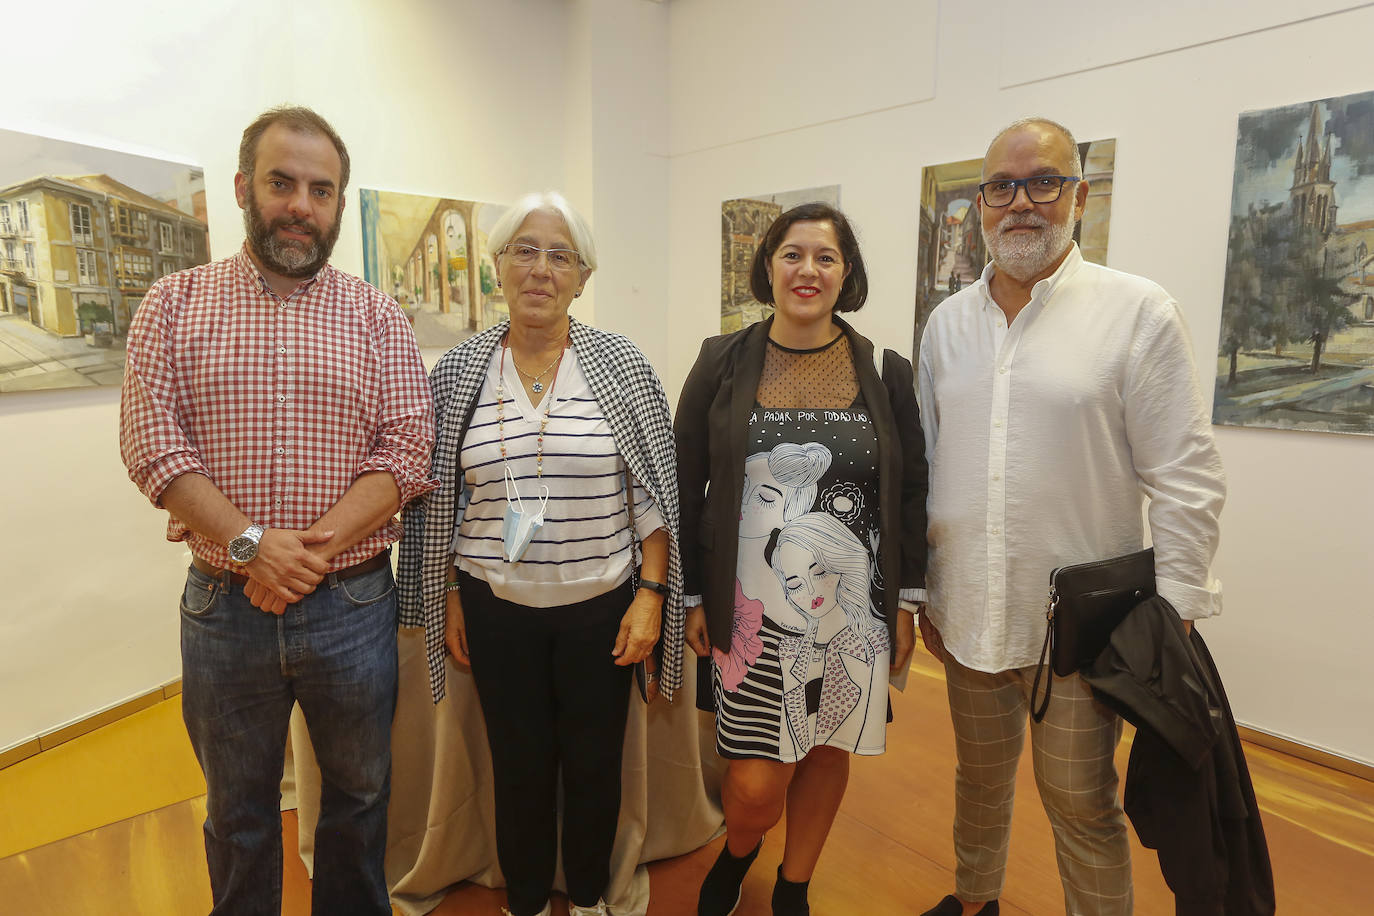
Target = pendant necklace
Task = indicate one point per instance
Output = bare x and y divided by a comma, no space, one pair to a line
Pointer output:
538,386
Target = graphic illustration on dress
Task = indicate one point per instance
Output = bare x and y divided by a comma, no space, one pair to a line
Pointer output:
834,662
779,485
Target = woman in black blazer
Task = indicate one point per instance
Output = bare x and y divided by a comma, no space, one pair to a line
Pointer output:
802,473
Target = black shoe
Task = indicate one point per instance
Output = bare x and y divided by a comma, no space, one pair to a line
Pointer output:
720,891
951,906
789,897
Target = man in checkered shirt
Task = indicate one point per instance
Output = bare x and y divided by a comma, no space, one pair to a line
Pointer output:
278,409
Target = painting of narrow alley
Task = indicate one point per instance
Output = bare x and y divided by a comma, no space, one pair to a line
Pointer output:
430,255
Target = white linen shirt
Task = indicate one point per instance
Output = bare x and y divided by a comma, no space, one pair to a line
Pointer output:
1042,438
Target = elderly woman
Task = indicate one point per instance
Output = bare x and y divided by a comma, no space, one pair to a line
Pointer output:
547,559
803,619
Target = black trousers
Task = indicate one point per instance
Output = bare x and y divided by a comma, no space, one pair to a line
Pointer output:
552,697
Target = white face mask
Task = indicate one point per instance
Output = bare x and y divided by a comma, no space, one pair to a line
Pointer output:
518,526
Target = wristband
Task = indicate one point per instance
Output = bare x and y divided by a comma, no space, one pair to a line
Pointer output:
653,586
452,586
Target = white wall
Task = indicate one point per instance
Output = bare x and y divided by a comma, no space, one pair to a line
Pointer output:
1295,549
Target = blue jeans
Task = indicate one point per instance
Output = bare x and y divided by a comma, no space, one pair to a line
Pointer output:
334,653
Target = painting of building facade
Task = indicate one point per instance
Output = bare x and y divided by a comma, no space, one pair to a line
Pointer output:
1296,348
430,254
84,232
950,253
743,223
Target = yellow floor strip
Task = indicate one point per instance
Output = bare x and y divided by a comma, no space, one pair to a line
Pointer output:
140,763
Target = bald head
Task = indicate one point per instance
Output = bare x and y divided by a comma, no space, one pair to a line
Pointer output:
1047,129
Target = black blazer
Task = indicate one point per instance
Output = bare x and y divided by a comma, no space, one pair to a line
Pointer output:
712,430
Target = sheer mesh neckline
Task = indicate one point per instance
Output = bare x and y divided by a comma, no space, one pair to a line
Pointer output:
822,378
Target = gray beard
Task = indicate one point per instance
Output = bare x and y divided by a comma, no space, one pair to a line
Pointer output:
1023,257
293,259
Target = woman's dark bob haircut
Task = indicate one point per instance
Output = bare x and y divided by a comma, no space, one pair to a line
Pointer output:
853,293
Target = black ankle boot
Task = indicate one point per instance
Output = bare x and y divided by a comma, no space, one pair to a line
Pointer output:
789,897
720,892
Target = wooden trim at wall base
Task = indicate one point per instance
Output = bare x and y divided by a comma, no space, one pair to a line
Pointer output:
49,740
1304,752
23,751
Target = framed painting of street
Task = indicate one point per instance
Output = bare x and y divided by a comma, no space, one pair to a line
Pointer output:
84,232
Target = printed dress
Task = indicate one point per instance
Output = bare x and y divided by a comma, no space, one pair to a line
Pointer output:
808,658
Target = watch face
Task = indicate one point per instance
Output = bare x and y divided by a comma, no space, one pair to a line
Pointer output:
242,549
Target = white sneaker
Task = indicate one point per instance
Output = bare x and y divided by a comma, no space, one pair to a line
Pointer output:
598,910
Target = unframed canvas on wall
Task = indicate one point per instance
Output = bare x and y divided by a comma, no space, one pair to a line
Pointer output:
743,223
1296,348
84,232
430,255
950,253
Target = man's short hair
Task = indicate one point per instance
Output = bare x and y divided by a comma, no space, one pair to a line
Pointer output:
297,118
1055,126
853,292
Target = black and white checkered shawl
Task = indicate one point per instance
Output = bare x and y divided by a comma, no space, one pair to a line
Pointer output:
636,410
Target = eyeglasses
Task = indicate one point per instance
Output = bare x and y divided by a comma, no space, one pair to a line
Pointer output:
1041,189
527,256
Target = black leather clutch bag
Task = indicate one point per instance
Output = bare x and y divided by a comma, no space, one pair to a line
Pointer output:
1086,602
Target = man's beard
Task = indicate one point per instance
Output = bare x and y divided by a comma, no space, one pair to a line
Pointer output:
1025,255
287,257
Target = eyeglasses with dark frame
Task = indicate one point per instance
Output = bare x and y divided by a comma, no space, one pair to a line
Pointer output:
1041,189
528,255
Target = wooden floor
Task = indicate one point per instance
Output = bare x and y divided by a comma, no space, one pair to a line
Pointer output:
889,851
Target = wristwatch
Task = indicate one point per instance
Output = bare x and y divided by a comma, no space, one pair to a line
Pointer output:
653,586
244,548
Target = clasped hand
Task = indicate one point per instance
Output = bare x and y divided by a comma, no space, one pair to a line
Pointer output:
289,564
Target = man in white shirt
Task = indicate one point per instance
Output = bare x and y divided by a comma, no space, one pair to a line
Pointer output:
1053,393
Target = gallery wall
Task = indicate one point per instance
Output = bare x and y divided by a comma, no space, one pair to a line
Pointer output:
820,105
465,99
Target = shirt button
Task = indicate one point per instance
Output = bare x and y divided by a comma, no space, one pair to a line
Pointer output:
281,398
994,476
996,530
997,424
280,450
1003,370
281,349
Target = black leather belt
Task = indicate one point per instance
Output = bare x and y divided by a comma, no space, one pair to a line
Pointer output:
372,564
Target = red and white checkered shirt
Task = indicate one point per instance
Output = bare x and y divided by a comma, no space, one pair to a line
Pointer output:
282,403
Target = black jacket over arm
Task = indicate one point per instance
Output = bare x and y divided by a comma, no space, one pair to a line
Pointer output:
712,430
1188,791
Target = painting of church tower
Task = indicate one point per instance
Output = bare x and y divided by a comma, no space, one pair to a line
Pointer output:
1296,348
1312,196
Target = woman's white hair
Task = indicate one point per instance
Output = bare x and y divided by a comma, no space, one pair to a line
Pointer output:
552,202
